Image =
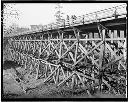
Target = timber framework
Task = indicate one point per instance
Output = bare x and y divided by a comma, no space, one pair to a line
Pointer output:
88,52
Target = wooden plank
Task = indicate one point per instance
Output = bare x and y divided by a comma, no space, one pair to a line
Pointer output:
119,65
88,53
71,39
67,78
102,51
100,66
57,76
80,79
122,65
109,86
37,72
34,47
43,61
121,34
88,77
51,74
83,84
64,76
46,70
109,48
112,62
69,52
76,51
94,62
40,47
106,83
82,49
45,48
112,36
60,50
73,81
115,33
101,56
55,50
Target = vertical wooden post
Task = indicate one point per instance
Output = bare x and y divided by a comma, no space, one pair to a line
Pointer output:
34,47
57,76
61,40
112,36
24,47
118,36
76,51
102,32
49,46
69,38
51,72
73,81
60,54
77,45
25,64
125,53
46,69
37,69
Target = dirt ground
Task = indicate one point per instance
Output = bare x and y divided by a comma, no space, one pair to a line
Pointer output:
13,90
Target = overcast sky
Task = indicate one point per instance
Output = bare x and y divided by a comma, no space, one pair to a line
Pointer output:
43,13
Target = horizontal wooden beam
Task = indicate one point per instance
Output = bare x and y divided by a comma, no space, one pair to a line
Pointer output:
90,39
43,61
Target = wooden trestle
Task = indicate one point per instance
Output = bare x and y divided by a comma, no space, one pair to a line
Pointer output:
70,57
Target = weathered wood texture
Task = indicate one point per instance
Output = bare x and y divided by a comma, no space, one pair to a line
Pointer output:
73,58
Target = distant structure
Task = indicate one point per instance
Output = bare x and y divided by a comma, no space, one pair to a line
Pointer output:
36,27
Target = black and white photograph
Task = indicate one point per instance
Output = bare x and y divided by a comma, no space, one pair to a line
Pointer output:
64,50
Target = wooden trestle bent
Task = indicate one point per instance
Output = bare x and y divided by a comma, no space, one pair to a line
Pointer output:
73,58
